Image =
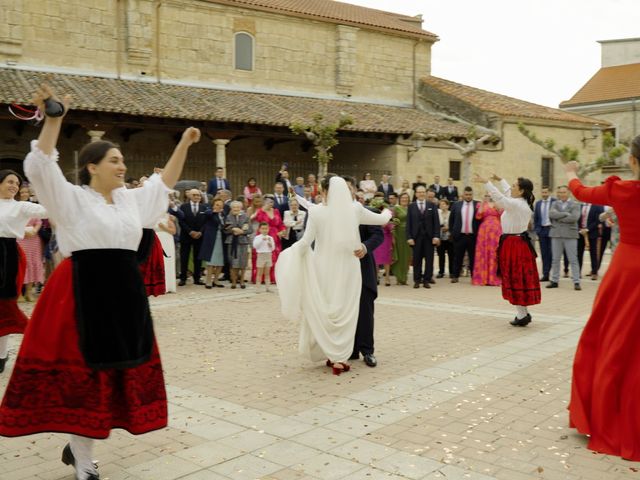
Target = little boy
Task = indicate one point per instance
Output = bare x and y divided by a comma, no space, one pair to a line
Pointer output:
264,246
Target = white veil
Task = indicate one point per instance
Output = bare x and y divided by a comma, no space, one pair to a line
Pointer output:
342,221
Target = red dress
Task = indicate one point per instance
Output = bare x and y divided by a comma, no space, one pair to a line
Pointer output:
275,226
12,319
53,390
605,390
152,269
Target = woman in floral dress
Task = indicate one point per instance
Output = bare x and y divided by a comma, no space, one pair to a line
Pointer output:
485,268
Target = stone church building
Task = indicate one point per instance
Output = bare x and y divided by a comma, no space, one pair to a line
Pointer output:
140,71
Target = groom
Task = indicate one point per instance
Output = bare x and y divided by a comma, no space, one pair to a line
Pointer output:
371,238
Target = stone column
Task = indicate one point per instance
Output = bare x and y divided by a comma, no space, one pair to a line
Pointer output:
221,153
96,135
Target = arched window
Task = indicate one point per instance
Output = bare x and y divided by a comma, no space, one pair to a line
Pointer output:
243,51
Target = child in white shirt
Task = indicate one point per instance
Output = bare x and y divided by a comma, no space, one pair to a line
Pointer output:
264,245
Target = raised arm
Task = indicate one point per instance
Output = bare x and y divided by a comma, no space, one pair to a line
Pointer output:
173,168
596,195
367,217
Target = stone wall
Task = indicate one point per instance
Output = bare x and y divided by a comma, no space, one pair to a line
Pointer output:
192,41
620,52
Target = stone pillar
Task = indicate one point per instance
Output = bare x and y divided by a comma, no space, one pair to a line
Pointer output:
221,153
96,135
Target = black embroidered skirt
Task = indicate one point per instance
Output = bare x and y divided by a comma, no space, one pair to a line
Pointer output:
12,268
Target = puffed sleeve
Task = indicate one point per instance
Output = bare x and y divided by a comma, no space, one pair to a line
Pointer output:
152,200
600,195
501,199
367,217
32,210
60,198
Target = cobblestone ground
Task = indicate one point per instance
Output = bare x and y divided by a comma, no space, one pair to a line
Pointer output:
458,394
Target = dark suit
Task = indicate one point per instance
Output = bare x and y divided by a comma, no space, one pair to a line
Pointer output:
282,206
372,237
594,225
462,242
439,189
450,194
389,190
543,235
213,186
416,185
191,223
422,228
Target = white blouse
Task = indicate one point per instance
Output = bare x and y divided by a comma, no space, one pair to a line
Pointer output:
516,215
83,218
15,215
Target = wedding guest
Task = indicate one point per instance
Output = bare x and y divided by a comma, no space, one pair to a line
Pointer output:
445,249
383,254
313,184
485,267
31,245
451,191
368,186
463,227
264,245
423,235
385,187
294,220
212,248
406,188
401,249
298,188
271,216
418,183
217,183
251,189
191,224
237,226
252,212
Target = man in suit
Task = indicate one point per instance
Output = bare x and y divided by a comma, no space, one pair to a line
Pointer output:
280,199
418,183
371,237
542,226
591,227
385,187
423,235
451,192
191,226
463,227
564,214
218,182
436,187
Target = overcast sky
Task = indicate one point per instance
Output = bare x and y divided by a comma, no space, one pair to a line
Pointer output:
542,51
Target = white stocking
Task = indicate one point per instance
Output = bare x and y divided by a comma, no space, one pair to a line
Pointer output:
521,312
4,349
81,448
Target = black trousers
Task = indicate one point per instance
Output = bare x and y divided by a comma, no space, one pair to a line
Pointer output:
445,248
593,253
463,244
186,246
364,331
545,252
423,250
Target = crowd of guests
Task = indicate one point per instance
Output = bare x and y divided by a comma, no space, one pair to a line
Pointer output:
212,236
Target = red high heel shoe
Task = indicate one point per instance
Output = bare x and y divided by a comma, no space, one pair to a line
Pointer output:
337,371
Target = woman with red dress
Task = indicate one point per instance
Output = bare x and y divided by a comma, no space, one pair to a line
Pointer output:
485,266
606,370
89,361
516,254
277,229
14,216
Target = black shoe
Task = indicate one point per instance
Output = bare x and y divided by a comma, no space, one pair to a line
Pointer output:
432,281
552,285
454,280
416,285
544,279
370,360
198,283
355,356
440,275
522,322
208,287
182,283
3,362
426,285
577,286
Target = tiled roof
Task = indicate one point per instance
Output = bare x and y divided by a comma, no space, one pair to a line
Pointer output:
610,83
503,105
338,12
148,99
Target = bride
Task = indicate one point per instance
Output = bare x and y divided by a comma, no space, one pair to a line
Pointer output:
320,286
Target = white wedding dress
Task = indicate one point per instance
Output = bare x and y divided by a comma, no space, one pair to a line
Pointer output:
320,287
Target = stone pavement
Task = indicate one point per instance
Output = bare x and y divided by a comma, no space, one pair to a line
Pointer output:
458,394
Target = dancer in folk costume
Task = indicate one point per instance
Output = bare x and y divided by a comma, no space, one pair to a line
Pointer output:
89,360
606,378
516,254
14,216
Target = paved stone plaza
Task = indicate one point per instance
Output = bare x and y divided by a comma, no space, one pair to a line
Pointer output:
458,394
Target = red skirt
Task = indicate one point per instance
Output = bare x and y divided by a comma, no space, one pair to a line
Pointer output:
605,389
520,281
12,319
52,390
152,270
